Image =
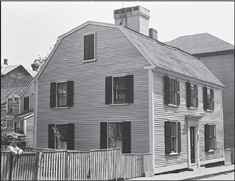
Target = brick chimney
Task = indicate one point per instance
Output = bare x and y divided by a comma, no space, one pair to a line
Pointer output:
135,18
5,62
153,33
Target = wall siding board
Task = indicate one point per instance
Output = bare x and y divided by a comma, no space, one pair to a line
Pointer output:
115,55
163,112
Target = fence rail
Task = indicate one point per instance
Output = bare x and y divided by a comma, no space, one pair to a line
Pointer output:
50,164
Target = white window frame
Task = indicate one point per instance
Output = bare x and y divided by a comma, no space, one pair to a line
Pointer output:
57,95
195,97
11,105
29,103
85,34
177,139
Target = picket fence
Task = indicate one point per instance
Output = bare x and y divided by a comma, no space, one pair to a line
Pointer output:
51,164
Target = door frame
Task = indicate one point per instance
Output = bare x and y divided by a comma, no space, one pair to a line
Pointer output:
193,121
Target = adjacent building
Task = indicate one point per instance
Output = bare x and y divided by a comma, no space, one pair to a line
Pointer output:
218,56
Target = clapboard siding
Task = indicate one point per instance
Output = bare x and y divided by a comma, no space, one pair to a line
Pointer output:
29,131
222,66
163,112
115,56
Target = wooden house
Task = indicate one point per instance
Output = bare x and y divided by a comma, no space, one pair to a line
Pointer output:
218,56
111,85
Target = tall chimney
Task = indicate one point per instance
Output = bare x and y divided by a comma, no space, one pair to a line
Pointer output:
153,33
5,62
135,18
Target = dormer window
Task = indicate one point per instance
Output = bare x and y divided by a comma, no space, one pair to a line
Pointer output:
89,47
10,106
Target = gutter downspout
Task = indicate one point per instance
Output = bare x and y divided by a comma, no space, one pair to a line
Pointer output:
151,115
35,113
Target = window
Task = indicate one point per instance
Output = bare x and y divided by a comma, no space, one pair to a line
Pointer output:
26,103
61,136
116,135
208,99
61,94
89,47
171,91
10,106
119,90
191,95
210,137
172,137
17,127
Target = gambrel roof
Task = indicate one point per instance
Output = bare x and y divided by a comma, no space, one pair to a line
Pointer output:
200,43
158,54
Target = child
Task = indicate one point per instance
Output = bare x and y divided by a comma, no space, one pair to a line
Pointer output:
13,148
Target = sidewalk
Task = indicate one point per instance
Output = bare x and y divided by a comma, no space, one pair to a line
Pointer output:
189,175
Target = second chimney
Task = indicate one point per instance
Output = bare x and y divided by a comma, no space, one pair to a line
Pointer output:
153,33
135,18
5,62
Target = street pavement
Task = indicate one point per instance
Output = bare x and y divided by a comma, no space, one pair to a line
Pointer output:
225,176
196,174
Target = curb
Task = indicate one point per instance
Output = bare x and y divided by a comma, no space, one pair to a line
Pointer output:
209,175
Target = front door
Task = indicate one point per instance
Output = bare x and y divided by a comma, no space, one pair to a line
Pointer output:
192,144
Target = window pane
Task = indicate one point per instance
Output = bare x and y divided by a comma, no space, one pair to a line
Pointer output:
62,94
119,89
114,135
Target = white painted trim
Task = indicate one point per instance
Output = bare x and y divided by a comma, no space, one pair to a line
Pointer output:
150,67
222,120
211,161
25,126
170,168
95,46
124,104
19,106
26,117
35,113
151,114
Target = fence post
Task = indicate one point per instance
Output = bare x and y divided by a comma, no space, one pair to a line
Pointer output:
11,166
142,165
38,164
66,165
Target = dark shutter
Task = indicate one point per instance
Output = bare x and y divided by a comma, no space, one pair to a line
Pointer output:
166,90
214,134
103,135
70,93
178,91
108,90
205,102
126,137
53,95
26,103
206,130
86,47
212,99
51,138
70,136
196,94
179,137
188,95
129,89
167,137
91,47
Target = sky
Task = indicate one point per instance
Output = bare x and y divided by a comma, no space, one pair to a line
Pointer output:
30,29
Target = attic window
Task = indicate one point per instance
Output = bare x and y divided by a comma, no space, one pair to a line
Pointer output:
89,52
136,8
116,11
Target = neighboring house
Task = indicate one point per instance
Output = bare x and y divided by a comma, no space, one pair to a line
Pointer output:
218,56
107,86
18,115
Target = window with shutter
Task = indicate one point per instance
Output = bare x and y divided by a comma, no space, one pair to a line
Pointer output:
26,103
61,136
119,90
61,94
116,135
191,95
208,99
171,91
10,105
89,47
210,137
172,137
